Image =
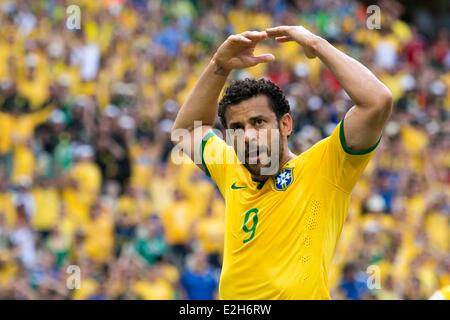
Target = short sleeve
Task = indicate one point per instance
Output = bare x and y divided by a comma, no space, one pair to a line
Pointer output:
338,163
216,158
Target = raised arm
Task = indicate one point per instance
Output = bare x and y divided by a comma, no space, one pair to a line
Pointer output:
201,105
373,100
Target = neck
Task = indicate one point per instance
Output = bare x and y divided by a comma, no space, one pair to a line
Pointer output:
286,157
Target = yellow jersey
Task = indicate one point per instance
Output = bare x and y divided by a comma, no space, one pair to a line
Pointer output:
47,206
281,235
441,294
177,220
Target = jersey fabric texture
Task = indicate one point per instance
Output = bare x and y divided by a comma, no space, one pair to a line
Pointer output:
281,235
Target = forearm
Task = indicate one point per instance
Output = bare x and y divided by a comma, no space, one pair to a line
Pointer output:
373,100
359,82
201,104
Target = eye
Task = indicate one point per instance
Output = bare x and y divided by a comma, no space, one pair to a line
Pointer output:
259,122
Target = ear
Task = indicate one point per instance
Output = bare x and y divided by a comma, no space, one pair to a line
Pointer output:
286,124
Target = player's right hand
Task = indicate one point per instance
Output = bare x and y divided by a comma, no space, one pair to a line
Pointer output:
237,52
299,34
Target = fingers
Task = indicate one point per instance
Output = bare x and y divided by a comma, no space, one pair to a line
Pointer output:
238,38
255,35
283,39
267,57
248,37
278,31
263,58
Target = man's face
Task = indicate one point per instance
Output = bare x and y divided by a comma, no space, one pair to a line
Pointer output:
260,132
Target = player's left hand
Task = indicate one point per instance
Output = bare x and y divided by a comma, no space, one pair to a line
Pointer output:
299,34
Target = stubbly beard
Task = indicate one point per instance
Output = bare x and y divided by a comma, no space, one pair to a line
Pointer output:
255,169
250,154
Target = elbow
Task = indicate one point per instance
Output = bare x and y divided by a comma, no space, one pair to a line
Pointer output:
174,135
179,132
386,98
384,103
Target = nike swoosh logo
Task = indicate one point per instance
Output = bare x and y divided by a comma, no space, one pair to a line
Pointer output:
234,186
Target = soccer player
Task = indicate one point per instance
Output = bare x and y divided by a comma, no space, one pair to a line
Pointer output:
281,228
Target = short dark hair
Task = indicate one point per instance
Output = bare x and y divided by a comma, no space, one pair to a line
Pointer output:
241,90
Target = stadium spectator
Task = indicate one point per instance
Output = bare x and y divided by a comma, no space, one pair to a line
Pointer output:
199,280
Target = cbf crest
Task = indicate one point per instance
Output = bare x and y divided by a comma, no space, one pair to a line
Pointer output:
284,179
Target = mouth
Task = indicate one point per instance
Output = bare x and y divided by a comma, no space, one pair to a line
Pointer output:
253,159
255,156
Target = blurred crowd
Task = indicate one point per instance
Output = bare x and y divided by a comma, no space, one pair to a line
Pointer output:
86,177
